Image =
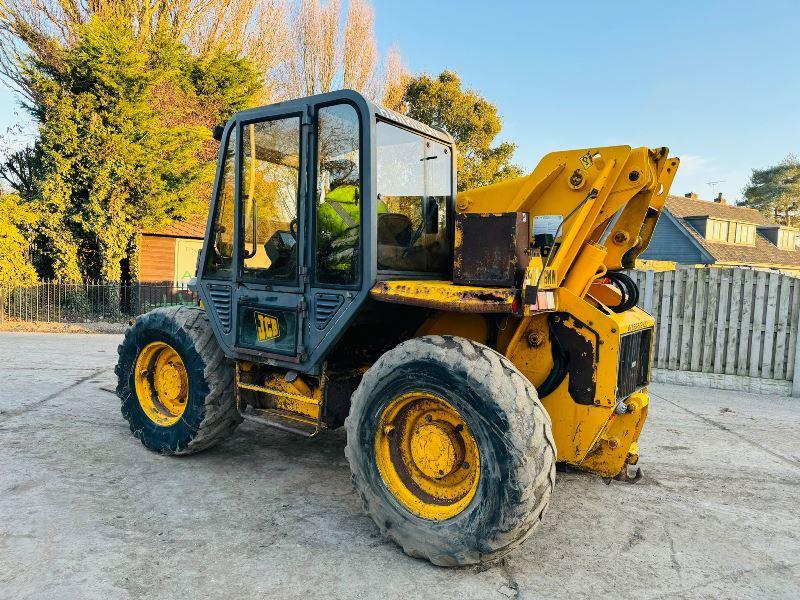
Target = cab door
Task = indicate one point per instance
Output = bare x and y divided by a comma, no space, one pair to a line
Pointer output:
341,215
269,271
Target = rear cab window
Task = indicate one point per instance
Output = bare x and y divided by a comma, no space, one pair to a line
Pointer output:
415,191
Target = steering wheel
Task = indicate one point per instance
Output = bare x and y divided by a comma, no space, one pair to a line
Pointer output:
414,239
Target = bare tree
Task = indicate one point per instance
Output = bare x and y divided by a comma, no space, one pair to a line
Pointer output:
328,45
395,81
360,48
301,47
312,63
328,54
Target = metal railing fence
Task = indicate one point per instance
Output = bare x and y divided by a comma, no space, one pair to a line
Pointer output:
80,302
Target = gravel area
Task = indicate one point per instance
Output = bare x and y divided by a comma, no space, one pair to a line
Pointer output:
87,512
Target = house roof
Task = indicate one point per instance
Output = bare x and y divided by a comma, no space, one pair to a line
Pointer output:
193,227
683,207
763,253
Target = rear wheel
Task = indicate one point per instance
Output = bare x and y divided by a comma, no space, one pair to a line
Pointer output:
175,384
450,450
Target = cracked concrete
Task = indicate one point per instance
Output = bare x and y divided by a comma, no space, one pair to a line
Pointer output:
87,512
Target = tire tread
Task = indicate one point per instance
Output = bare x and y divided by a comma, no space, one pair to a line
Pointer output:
532,452
220,416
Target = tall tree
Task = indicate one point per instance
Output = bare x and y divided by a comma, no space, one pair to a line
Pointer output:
775,191
360,48
327,53
253,29
258,30
396,80
473,122
315,53
123,140
16,219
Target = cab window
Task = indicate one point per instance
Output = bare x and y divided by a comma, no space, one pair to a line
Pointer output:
269,195
415,187
339,202
219,256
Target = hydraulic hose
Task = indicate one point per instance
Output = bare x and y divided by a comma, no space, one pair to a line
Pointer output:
627,288
560,363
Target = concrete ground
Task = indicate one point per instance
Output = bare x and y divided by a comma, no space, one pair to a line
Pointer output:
87,512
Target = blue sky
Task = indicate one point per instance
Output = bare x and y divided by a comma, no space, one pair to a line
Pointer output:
717,82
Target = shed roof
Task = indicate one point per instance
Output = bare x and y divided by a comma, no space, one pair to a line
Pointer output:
193,227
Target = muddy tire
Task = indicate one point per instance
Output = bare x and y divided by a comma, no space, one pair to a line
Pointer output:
500,409
210,413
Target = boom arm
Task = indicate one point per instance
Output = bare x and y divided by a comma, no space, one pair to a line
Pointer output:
607,200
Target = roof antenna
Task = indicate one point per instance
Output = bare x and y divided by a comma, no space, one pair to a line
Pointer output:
713,185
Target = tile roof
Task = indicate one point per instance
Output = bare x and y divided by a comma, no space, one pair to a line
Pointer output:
763,253
681,206
193,227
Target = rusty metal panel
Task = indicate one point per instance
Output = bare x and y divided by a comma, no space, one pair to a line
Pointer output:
444,295
491,249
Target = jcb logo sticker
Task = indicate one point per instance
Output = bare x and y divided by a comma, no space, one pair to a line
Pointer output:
267,327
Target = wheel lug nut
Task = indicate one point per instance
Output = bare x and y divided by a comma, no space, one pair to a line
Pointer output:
465,465
428,418
460,427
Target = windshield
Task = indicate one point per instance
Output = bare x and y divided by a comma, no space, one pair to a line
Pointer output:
415,187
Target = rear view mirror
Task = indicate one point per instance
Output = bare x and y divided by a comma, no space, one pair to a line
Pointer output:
217,133
430,214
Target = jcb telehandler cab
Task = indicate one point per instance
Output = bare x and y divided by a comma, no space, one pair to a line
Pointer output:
466,342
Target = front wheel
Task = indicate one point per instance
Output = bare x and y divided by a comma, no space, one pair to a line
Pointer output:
450,450
174,382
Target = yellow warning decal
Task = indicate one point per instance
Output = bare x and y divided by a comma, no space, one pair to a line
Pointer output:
267,327
587,160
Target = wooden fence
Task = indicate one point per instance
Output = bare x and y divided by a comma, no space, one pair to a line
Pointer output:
734,322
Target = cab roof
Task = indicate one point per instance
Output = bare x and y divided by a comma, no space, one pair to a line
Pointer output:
390,115
373,108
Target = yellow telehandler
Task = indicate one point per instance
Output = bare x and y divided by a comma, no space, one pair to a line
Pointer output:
467,342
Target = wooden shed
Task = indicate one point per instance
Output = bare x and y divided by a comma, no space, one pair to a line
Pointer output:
169,253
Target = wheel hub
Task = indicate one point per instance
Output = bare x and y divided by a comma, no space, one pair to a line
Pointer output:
435,449
169,383
162,383
427,457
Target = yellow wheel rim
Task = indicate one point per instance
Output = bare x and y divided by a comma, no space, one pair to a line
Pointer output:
427,456
162,384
